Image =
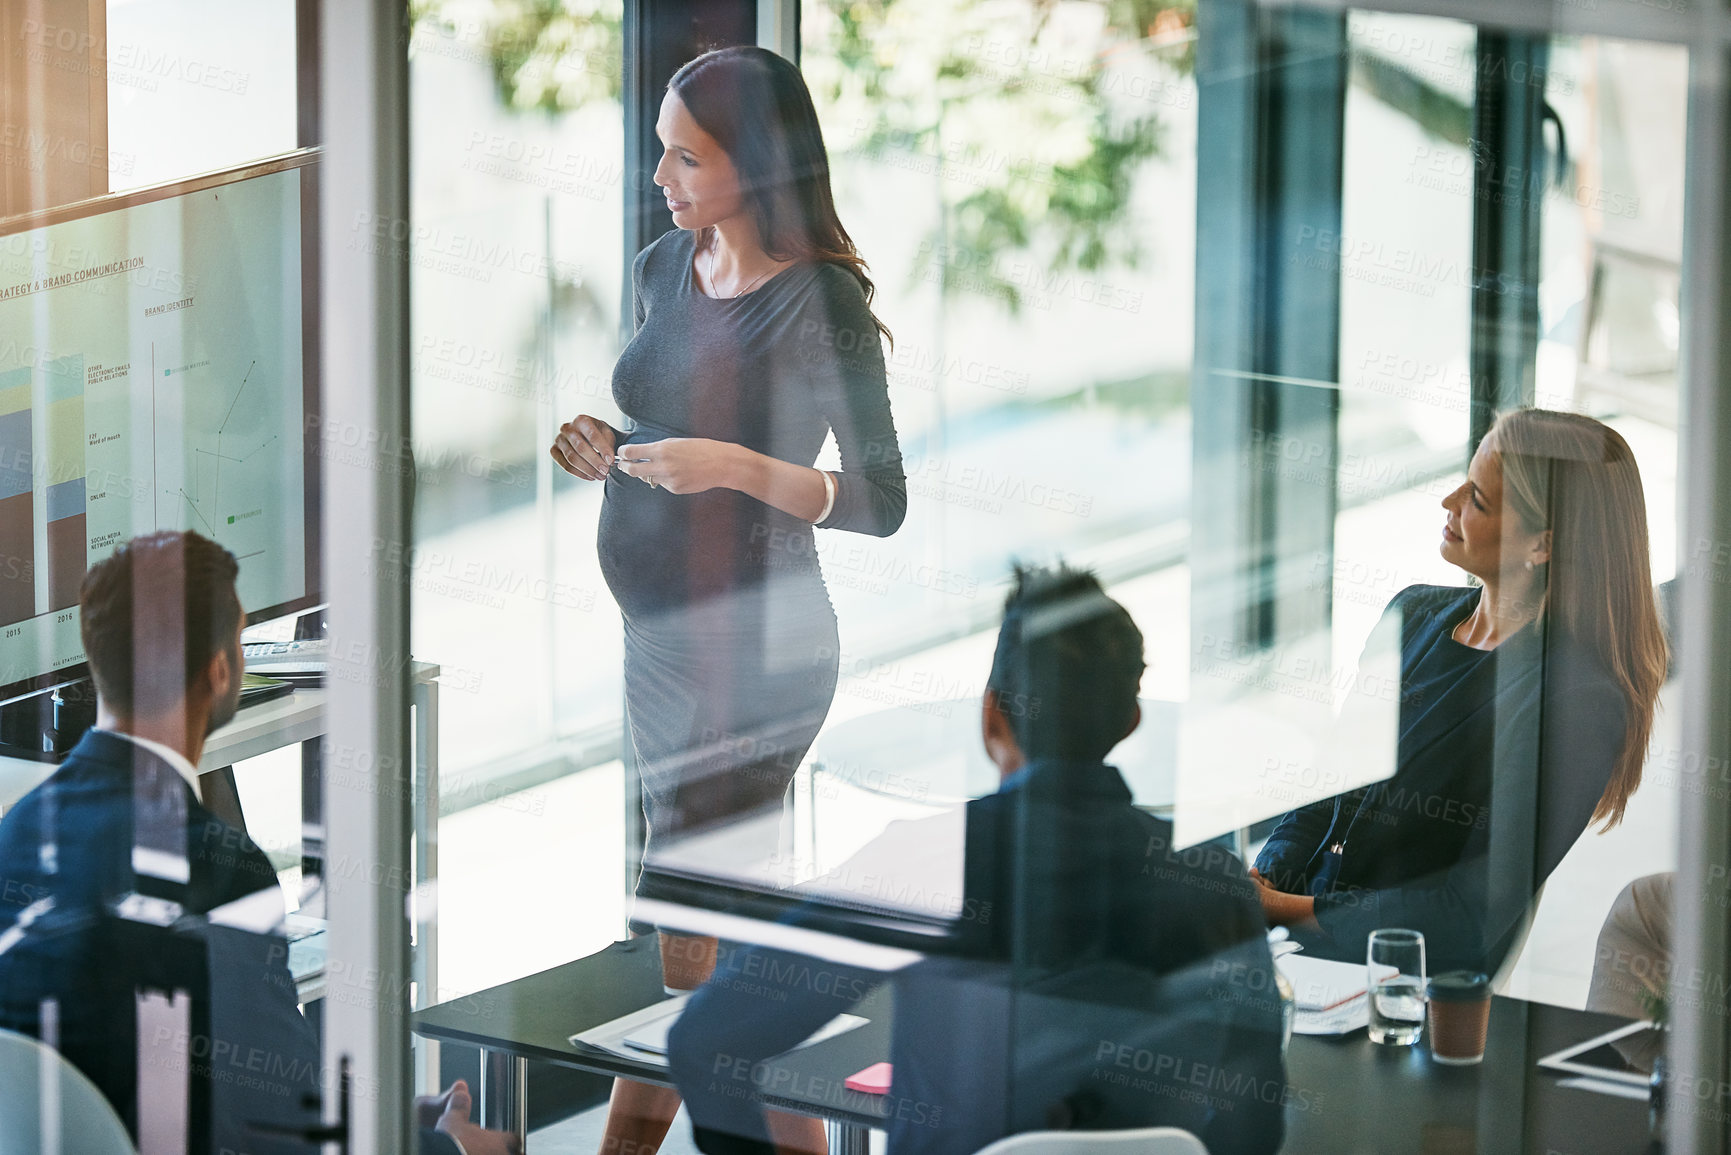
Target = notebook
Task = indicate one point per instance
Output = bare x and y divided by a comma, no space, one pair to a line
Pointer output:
1320,984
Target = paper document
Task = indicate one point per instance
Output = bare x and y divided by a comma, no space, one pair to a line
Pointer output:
1348,1016
642,1035
1320,984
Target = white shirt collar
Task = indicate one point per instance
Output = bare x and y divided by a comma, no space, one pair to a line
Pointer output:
168,754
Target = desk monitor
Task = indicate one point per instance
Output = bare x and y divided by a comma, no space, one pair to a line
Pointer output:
157,371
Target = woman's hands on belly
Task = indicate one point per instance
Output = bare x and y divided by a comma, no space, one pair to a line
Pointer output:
584,447
683,464
687,465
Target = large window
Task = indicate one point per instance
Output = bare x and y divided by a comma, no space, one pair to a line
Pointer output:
515,278
1216,301
1244,307
1022,182
195,85
1024,191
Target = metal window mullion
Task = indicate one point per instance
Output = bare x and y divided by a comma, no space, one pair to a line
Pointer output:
1224,493
1677,21
1270,132
778,27
1700,1048
1306,81
658,37
364,212
1508,144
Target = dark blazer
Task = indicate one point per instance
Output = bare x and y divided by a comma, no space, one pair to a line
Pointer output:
1100,981
1493,783
76,840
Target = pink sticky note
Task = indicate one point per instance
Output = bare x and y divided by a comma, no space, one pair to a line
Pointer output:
874,1080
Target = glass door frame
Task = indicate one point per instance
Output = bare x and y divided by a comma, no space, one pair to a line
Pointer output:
364,236
363,70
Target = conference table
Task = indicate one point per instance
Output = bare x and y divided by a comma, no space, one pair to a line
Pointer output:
1349,1096
532,1018
1344,1095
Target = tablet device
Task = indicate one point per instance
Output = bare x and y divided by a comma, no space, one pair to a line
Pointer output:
1600,1058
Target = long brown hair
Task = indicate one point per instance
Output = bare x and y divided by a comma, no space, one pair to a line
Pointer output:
1577,477
757,107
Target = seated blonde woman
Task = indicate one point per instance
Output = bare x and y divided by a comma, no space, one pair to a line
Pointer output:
1533,688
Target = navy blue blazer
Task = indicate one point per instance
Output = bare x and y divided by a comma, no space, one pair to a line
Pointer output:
1421,849
1102,981
250,1053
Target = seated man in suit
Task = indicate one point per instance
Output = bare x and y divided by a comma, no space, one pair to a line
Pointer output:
1096,979
125,893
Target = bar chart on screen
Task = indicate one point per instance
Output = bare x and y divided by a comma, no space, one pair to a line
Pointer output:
151,378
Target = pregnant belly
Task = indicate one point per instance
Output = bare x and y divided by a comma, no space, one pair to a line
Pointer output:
660,551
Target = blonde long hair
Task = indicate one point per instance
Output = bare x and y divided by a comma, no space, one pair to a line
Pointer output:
1577,477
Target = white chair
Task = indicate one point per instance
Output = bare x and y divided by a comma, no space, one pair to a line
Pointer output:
87,1124
1142,1141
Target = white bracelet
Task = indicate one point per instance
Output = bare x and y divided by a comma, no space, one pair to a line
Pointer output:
828,496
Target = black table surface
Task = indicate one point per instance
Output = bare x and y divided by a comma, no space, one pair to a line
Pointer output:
533,1017
1344,1095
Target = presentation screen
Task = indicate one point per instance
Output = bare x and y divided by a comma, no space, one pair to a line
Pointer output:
153,375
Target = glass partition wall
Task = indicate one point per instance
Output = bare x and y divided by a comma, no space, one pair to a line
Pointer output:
1216,302
159,348
1220,302
1231,308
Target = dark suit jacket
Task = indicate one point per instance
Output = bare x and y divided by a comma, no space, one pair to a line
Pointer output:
91,835
1493,783
1100,981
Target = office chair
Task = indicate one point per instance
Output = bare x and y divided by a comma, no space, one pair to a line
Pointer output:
87,1125
1142,1141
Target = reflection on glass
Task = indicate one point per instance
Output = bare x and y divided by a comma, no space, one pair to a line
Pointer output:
516,183
1609,345
1407,210
1095,976
192,85
1024,177
142,936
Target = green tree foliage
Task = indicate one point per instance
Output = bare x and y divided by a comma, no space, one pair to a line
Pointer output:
1035,115
550,55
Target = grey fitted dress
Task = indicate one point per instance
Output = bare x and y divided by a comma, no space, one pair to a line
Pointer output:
731,652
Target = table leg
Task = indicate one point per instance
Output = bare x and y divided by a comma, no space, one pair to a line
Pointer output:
426,828
504,1098
848,1138
805,853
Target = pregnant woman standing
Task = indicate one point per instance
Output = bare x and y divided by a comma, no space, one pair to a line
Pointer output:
754,339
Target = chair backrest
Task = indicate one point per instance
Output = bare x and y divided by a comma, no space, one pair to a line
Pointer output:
82,1118
1142,1141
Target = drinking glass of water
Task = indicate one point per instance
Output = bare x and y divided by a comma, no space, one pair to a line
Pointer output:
1395,962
